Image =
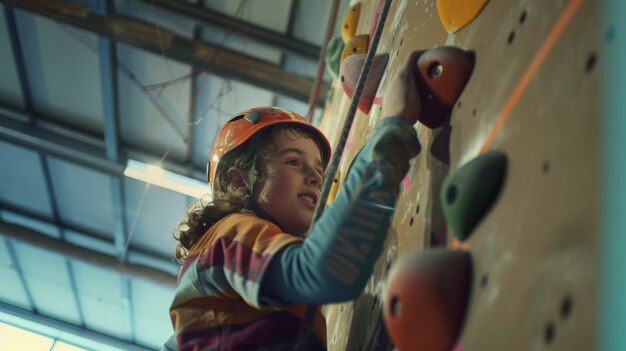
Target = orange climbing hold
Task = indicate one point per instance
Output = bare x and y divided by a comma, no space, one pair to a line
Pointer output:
455,14
349,75
349,23
357,45
456,244
426,298
441,75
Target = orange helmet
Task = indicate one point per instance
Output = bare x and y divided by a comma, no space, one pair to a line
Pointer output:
248,123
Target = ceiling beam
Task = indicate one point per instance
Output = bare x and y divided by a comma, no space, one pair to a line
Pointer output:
20,63
108,58
53,144
218,60
17,266
70,328
52,196
195,87
82,151
286,42
104,244
96,258
66,141
108,77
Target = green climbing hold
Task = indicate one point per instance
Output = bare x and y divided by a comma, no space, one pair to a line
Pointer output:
333,54
469,193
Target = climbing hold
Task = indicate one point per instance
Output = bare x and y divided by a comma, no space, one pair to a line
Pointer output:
456,14
426,298
357,45
456,244
441,75
350,21
376,17
468,193
333,53
349,75
333,188
406,183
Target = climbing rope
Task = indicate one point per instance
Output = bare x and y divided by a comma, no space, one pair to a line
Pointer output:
319,76
347,125
305,330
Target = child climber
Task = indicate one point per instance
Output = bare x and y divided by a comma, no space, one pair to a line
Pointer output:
247,273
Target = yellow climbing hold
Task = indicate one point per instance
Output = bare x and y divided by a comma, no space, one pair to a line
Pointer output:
455,14
349,23
334,188
357,45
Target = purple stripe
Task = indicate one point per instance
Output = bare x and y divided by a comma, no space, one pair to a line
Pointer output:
277,328
235,256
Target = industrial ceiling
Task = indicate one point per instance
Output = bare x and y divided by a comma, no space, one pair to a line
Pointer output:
86,253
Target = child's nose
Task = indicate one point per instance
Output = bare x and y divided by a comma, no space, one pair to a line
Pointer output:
315,178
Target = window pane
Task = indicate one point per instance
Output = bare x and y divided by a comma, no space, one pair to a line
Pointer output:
12,338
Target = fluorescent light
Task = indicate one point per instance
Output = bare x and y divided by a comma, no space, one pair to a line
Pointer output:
156,175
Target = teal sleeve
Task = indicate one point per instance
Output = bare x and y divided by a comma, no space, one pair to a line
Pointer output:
335,261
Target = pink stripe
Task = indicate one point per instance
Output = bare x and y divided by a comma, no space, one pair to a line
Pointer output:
235,256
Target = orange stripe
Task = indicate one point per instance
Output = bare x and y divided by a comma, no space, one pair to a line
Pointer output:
261,236
553,36
213,312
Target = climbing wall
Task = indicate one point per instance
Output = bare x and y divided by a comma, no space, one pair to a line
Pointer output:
533,98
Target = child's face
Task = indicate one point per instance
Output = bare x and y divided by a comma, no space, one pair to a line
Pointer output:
289,189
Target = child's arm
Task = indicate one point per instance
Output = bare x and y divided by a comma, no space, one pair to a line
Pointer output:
335,261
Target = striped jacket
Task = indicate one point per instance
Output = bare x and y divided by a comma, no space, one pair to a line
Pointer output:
217,304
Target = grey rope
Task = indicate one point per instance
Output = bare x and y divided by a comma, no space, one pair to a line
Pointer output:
347,125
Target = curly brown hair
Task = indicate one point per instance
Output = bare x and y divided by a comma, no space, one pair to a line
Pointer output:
202,214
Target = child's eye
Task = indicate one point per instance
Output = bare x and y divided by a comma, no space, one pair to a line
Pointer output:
294,163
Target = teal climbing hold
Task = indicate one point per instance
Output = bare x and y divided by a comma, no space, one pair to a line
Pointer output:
469,193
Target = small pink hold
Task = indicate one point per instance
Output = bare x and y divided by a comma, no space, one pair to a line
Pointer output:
458,347
406,182
350,140
349,143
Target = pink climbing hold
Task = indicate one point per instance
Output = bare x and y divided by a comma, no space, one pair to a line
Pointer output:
406,182
375,18
349,75
350,140
349,143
